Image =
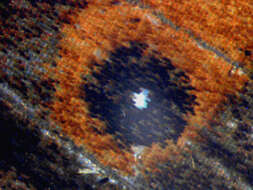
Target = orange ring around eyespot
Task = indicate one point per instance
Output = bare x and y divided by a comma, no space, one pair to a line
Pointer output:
96,32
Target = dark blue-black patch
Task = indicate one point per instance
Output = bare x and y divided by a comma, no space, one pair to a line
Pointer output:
109,93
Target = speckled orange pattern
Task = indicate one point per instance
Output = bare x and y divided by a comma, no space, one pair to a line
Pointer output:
226,25
102,27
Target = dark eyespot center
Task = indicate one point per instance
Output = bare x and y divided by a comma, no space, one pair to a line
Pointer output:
112,94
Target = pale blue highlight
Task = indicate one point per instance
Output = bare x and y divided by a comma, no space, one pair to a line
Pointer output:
141,99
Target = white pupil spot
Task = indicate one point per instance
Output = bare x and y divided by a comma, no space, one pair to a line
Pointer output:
141,99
